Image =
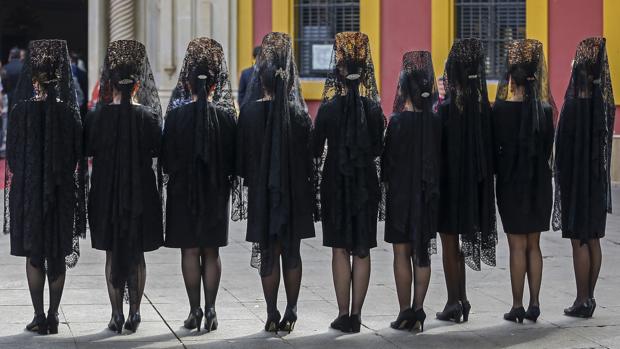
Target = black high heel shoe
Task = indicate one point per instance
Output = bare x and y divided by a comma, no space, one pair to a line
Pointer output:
210,319
466,309
194,320
420,317
515,315
133,322
404,321
288,321
592,307
52,323
451,313
532,313
38,324
116,323
582,310
273,320
342,323
356,323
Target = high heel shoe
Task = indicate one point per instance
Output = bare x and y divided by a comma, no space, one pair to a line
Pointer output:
582,310
466,309
451,313
194,320
133,322
342,323
515,315
52,323
592,307
116,323
420,317
288,321
532,313
38,324
273,320
404,321
210,319
356,323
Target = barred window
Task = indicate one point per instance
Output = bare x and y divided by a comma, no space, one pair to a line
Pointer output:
318,21
495,22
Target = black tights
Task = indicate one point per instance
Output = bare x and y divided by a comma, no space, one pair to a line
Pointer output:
350,278
525,258
201,264
271,283
587,260
407,272
135,285
454,269
36,284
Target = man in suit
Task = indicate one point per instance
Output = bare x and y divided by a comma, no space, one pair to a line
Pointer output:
10,73
246,76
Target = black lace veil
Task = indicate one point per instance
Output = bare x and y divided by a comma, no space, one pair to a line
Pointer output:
466,88
46,76
590,78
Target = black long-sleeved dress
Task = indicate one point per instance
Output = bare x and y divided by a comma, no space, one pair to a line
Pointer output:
184,228
363,223
410,170
44,213
251,131
123,209
524,200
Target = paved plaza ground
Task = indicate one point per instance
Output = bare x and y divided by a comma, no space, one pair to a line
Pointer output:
85,311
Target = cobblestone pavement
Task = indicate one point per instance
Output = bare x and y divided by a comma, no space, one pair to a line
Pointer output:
241,311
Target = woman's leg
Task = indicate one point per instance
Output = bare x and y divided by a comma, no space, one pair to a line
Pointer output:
534,267
271,283
341,272
581,264
191,269
360,281
403,274
518,267
596,258
56,287
136,285
211,274
36,284
422,278
452,267
292,284
116,295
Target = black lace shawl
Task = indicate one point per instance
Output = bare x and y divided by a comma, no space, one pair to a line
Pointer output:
584,137
44,202
467,192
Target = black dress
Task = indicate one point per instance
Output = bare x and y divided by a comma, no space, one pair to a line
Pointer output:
250,138
524,200
582,182
411,201
363,224
184,229
105,131
41,222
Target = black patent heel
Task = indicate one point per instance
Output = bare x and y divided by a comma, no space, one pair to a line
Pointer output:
116,323
288,321
404,321
52,323
194,320
38,324
356,323
532,313
133,322
515,315
579,310
342,323
210,320
592,304
273,320
451,313
466,309
420,317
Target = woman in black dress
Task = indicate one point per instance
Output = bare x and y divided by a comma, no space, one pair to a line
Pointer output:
350,119
523,141
410,171
198,156
467,201
583,167
44,202
123,135
275,168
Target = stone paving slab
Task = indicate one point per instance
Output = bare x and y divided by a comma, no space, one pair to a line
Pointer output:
85,310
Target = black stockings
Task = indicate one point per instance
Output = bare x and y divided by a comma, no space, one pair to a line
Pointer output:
201,264
135,283
350,281
587,260
36,284
525,258
406,272
271,283
454,268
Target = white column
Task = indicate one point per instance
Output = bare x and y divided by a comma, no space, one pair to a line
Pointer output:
122,22
97,39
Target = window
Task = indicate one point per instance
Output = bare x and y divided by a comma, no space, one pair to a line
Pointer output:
495,22
317,23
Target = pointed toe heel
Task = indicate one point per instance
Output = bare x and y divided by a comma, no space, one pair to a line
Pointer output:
194,320
210,320
288,320
273,320
52,323
532,313
515,315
